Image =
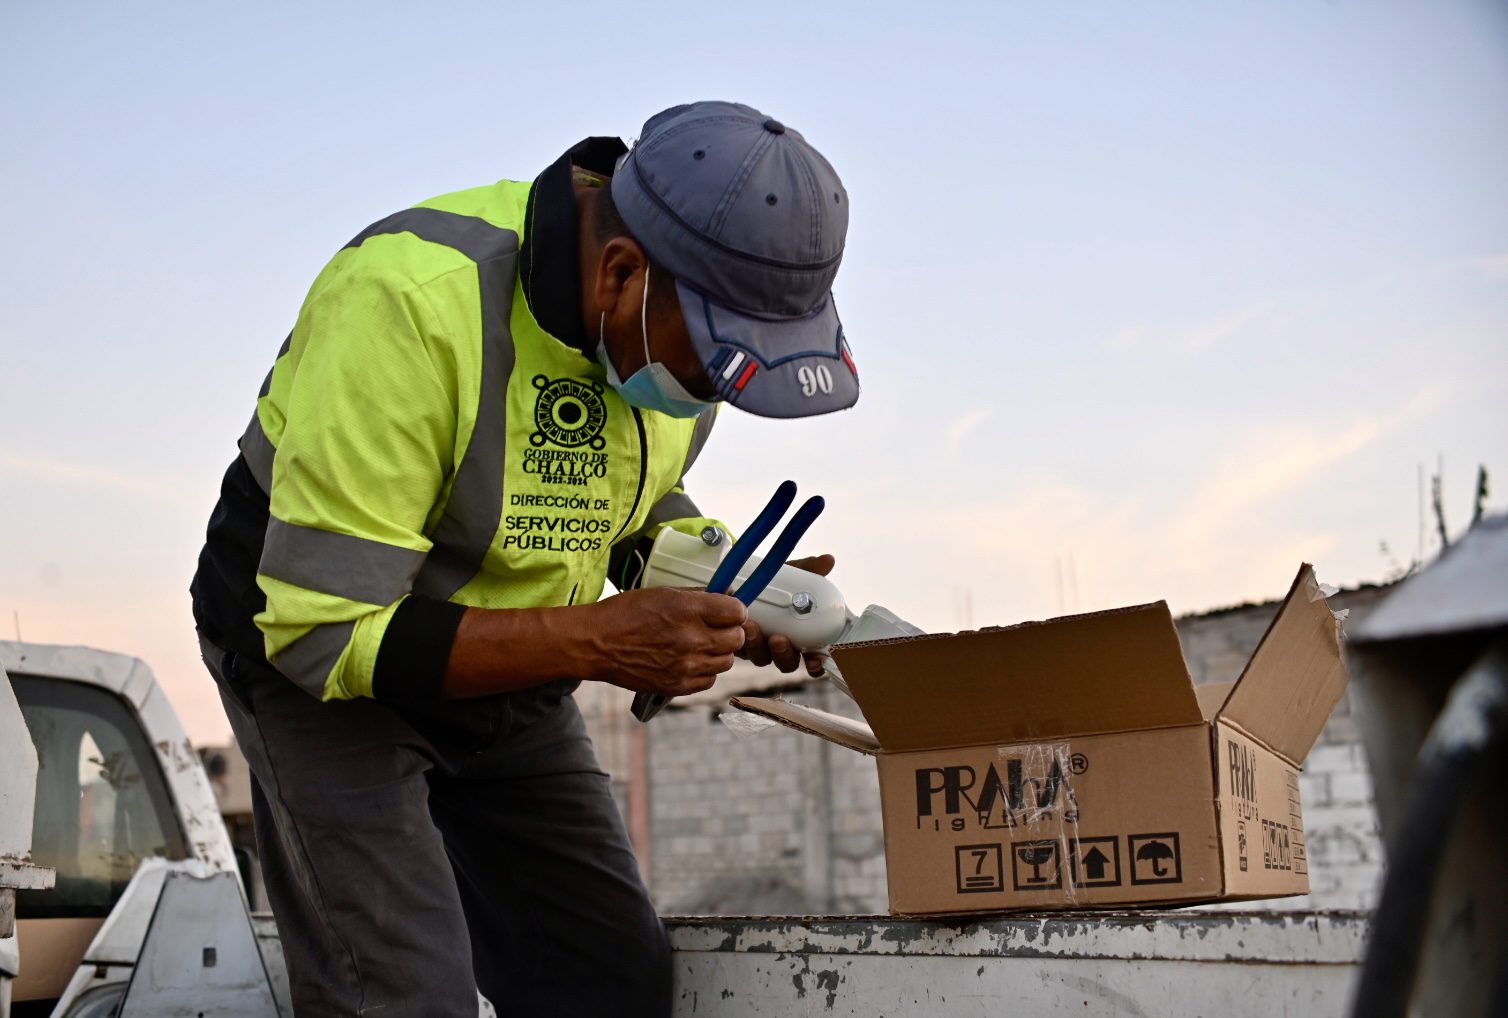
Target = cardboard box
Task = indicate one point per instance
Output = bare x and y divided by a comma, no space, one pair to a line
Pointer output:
1072,763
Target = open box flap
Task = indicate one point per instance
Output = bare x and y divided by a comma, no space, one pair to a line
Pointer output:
845,732
1212,696
1080,675
1295,678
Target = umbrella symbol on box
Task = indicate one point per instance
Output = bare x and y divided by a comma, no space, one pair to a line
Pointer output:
1155,858
1157,852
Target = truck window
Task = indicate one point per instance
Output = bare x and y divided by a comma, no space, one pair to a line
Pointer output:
102,803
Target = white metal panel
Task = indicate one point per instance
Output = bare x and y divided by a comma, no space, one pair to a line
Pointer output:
81,664
18,789
864,986
197,811
1333,938
119,939
115,946
10,959
1174,964
199,957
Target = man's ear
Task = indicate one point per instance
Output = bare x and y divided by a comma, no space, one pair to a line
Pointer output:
621,258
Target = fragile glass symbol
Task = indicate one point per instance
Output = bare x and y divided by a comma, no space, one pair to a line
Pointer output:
1036,856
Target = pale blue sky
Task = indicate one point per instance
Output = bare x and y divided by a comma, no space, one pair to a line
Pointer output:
1184,291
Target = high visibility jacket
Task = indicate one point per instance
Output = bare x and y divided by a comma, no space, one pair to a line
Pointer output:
421,434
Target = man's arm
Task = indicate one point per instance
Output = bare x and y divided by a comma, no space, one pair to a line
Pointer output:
368,414
362,411
666,641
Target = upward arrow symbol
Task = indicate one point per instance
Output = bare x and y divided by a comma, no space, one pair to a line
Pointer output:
1094,864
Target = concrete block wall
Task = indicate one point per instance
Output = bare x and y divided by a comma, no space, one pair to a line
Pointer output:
858,843
728,817
1345,846
780,823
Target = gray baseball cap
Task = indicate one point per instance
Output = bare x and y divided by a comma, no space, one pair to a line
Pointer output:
751,220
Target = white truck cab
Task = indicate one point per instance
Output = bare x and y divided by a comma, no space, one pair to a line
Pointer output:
117,783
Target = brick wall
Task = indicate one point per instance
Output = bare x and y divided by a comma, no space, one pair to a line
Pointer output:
780,823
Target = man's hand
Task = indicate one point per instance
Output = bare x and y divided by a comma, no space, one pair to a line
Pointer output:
777,650
666,640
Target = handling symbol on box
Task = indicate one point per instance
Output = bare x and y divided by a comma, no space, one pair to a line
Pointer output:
1155,858
1096,862
1036,865
981,868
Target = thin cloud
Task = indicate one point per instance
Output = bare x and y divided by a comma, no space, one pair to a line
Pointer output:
1207,543
89,476
1493,267
1213,331
1280,464
1287,311
1196,337
964,426
1129,339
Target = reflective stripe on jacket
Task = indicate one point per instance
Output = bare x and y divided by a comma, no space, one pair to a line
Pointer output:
421,434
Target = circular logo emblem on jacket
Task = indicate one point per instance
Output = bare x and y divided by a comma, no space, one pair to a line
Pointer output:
569,413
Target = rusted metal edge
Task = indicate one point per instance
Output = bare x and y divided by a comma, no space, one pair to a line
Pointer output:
1280,938
24,875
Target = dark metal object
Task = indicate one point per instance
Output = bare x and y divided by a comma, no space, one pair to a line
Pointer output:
1431,679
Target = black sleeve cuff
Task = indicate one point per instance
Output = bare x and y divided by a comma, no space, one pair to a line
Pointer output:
625,564
415,651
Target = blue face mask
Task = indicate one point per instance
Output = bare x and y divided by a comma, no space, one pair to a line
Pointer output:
652,387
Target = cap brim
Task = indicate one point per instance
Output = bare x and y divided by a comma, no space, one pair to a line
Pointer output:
773,367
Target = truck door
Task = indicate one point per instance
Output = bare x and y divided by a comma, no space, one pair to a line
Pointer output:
102,806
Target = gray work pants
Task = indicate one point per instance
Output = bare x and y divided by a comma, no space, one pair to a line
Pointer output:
413,857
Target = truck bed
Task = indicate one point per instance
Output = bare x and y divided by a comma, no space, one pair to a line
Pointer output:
1233,964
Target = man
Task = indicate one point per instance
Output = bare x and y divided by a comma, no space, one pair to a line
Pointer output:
485,410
